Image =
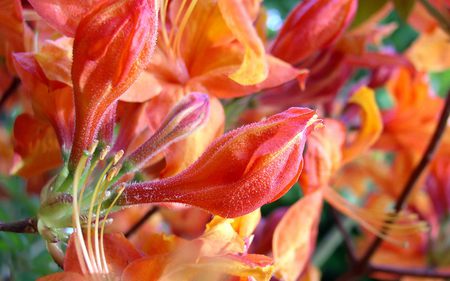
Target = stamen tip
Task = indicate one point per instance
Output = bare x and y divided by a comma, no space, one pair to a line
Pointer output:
118,156
93,147
104,152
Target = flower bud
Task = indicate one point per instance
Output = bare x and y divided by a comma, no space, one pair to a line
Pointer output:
112,45
189,114
311,26
241,171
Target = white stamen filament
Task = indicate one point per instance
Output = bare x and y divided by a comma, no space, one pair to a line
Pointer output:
92,260
82,253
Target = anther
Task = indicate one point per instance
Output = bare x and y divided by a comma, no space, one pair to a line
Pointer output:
104,152
118,156
93,147
112,173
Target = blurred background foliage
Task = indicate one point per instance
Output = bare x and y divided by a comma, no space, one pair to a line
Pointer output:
24,257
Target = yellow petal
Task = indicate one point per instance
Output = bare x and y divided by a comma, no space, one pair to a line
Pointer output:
371,123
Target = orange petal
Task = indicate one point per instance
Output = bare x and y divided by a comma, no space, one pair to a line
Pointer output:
119,253
218,83
220,238
216,268
63,15
145,88
240,171
431,52
294,242
55,59
323,156
150,268
371,123
36,143
112,45
186,222
51,100
254,68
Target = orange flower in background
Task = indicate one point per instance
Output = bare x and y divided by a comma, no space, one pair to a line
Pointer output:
408,124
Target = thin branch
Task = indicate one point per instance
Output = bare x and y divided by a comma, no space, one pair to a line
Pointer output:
23,226
141,222
417,272
10,91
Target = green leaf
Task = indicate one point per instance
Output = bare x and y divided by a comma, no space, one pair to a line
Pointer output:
440,82
366,8
404,8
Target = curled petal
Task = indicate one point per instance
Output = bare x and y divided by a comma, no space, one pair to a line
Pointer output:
240,171
294,242
311,26
371,123
112,45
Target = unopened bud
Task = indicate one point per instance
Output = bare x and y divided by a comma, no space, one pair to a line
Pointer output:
188,115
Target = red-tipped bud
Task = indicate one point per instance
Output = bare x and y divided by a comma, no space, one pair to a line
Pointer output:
240,171
311,26
189,114
113,44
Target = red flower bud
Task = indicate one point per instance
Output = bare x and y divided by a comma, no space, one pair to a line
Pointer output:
113,44
311,26
240,171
